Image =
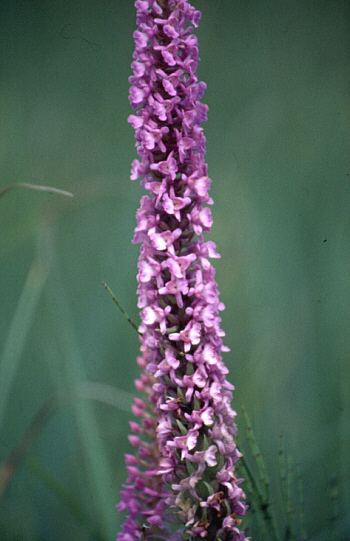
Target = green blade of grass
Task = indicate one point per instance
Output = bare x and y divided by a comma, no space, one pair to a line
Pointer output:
20,326
36,187
257,455
258,485
301,505
58,489
107,394
97,468
290,506
285,475
334,506
101,392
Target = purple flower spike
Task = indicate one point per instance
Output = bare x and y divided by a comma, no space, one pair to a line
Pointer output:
182,482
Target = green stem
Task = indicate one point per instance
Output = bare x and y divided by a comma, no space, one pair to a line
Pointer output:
263,503
127,317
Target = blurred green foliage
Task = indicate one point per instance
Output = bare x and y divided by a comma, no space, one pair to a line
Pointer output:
278,154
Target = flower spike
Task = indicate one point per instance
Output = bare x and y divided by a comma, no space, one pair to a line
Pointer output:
182,480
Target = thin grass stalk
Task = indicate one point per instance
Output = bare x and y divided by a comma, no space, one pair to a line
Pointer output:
290,506
334,494
257,455
285,489
35,187
300,484
259,496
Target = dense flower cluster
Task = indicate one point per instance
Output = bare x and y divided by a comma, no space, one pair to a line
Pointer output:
182,482
145,496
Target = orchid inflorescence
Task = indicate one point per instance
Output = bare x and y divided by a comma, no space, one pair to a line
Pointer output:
182,480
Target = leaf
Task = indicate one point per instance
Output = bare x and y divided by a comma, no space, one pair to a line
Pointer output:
205,443
209,488
183,430
190,467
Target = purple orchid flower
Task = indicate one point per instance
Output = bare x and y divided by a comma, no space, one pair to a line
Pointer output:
182,481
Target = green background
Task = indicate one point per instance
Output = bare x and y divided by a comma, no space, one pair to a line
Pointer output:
278,154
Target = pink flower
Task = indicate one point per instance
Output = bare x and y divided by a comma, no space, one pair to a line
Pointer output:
190,335
185,442
167,167
185,430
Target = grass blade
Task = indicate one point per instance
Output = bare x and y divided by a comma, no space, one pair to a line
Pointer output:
58,489
18,332
97,468
101,392
301,505
34,187
258,485
334,506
